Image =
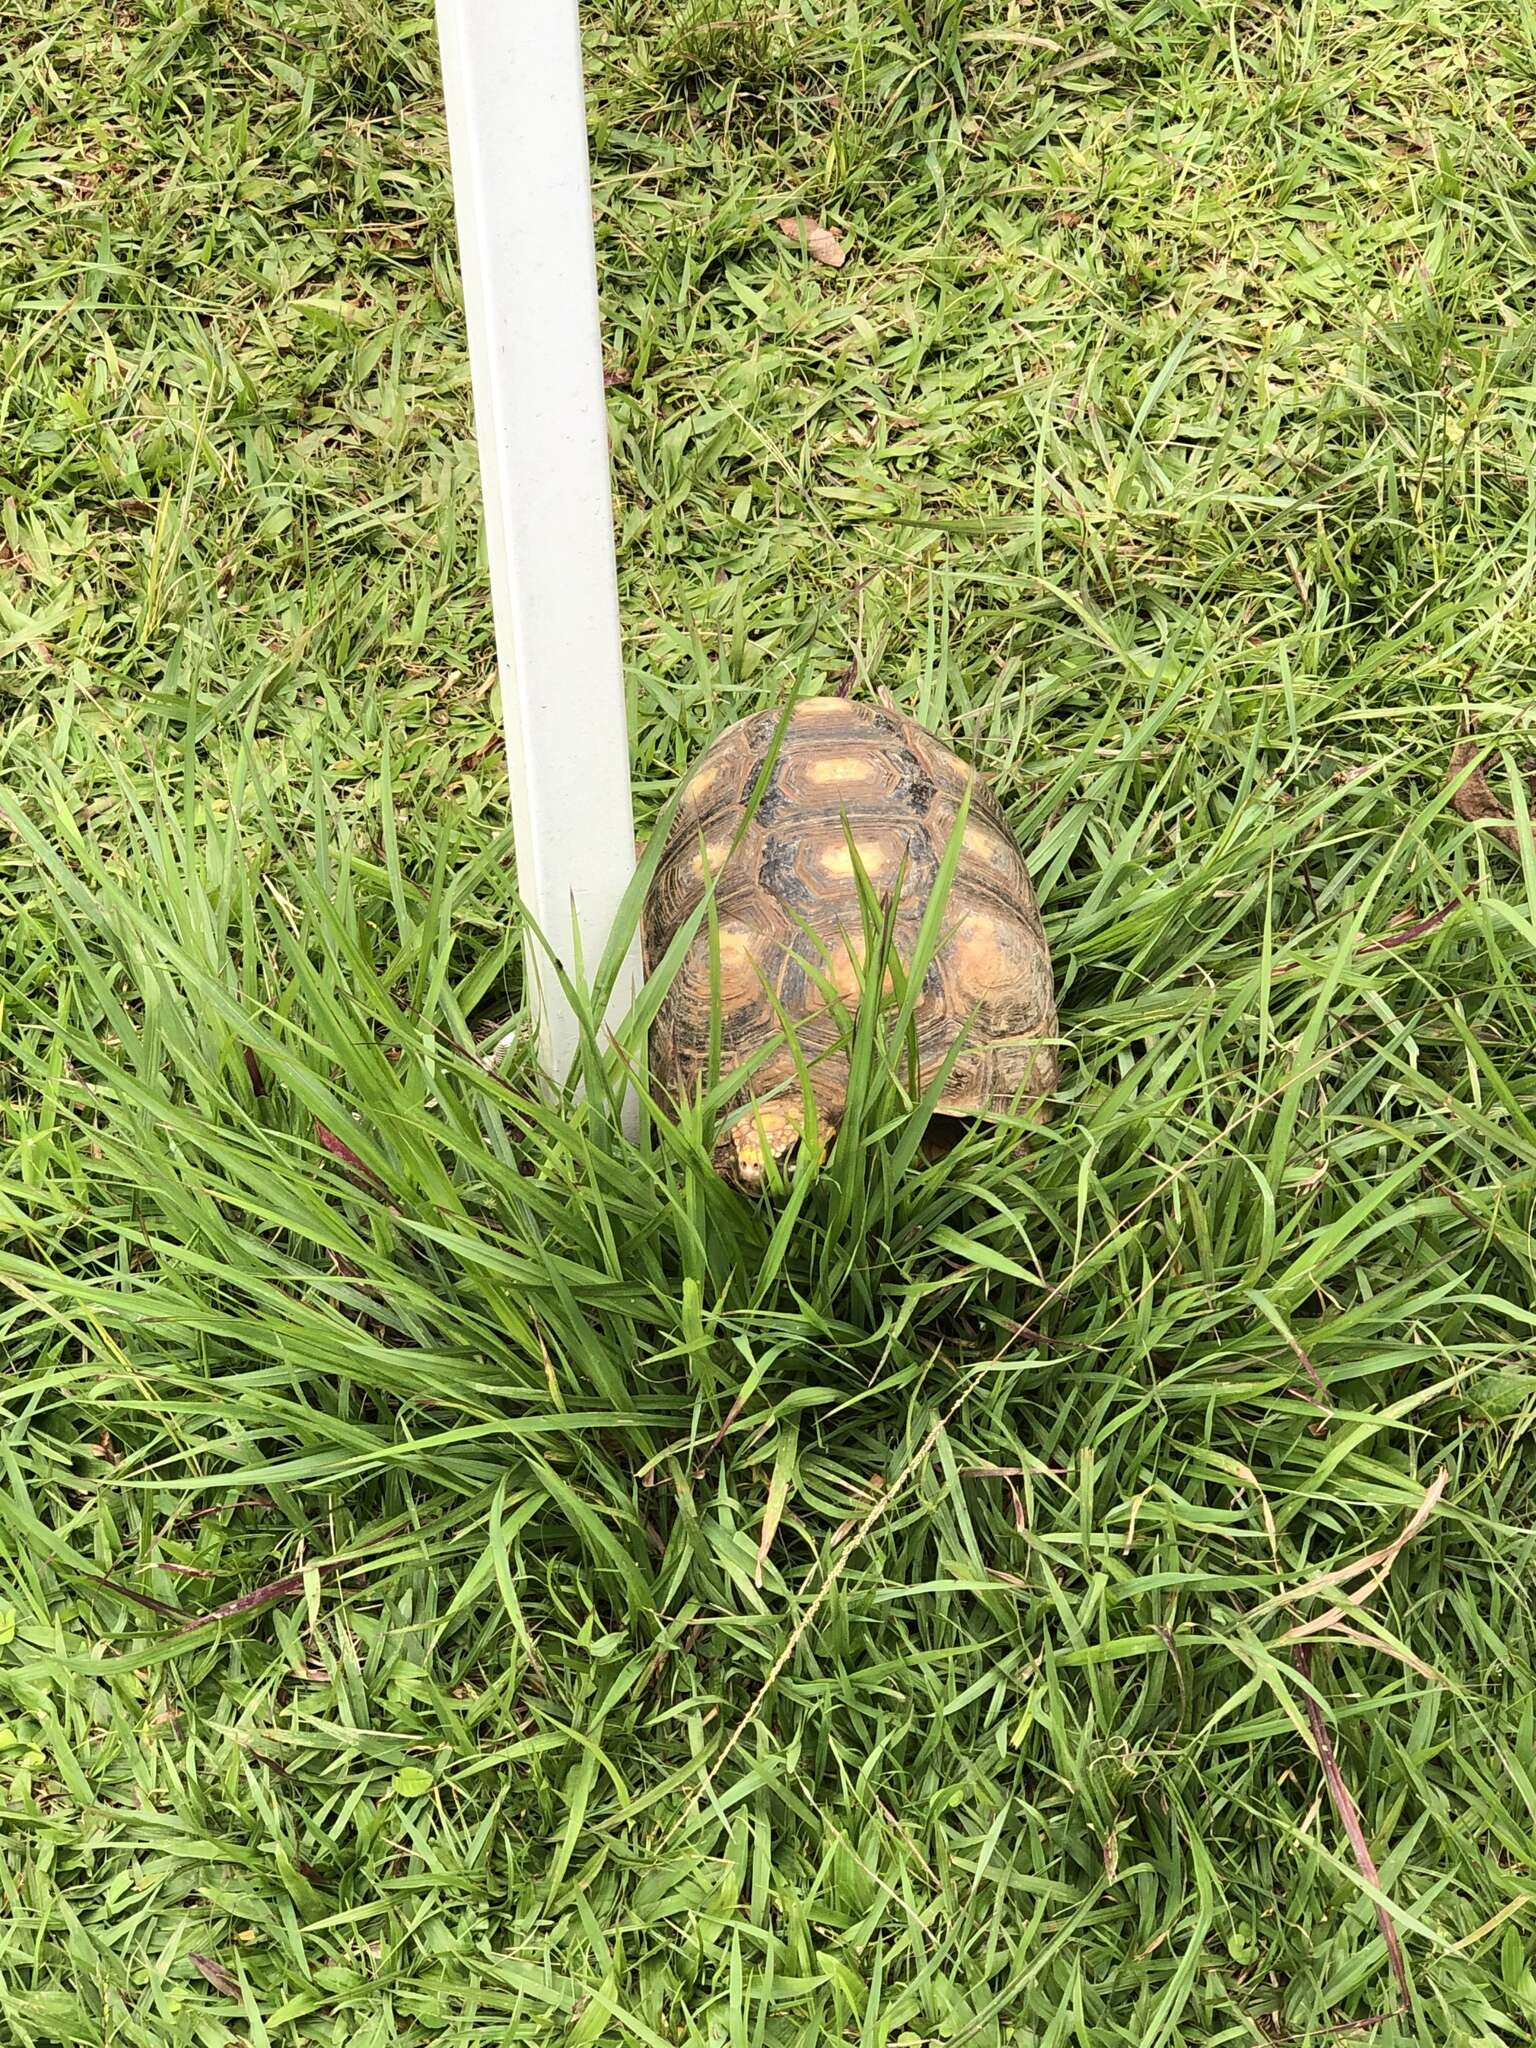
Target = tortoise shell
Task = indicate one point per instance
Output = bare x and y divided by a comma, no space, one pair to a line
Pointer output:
847,779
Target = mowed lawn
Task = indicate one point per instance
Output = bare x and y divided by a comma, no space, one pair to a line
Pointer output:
465,1580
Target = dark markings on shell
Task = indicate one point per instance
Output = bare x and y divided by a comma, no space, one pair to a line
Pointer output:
777,871
916,787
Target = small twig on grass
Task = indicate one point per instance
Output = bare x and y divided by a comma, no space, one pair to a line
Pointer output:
1349,1815
1405,934
1371,2019
1373,1568
247,1603
231,1610
130,1593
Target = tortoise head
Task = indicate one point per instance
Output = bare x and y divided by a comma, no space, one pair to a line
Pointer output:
763,1139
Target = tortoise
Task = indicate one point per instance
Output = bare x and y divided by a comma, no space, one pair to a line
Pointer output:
852,785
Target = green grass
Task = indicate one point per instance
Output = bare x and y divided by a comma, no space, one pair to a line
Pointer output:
472,1582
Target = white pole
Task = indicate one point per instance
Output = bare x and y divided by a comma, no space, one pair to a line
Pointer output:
517,135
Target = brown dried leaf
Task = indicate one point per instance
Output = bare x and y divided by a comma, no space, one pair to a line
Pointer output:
1476,801
1372,1569
223,1981
821,242
473,760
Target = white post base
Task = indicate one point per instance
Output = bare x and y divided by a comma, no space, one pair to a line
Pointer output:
518,138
